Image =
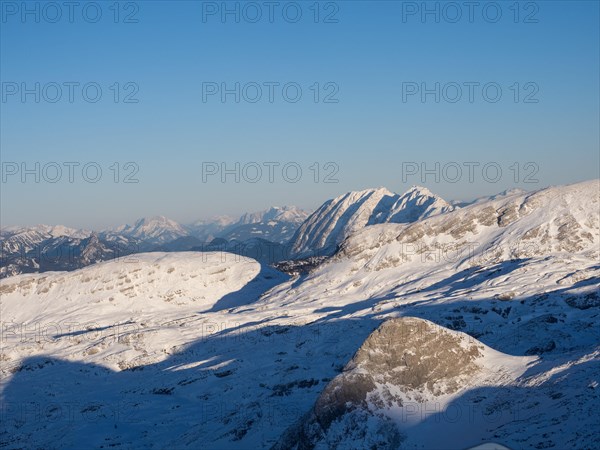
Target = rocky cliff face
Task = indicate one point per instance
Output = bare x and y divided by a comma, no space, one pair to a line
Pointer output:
404,360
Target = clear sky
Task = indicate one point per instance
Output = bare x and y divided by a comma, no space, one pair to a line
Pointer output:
374,58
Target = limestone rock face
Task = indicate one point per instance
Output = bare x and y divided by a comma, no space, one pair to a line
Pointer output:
416,354
404,359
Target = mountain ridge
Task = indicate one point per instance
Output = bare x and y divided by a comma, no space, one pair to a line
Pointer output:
338,218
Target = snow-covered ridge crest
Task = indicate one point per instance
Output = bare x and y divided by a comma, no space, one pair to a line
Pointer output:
555,219
145,283
343,216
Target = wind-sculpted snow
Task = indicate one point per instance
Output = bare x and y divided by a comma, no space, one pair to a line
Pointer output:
343,216
498,342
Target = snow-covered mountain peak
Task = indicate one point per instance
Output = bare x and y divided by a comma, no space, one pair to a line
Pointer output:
416,190
278,213
342,216
155,220
276,224
215,220
60,231
353,196
156,229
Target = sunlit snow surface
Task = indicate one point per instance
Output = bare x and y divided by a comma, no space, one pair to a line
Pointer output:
174,350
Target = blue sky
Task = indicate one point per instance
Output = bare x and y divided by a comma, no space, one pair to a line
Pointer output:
373,54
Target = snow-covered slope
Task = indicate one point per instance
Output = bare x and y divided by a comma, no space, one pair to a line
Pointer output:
520,274
485,198
340,217
178,351
146,283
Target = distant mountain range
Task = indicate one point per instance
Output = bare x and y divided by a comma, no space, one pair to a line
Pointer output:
271,236
47,248
42,249
151,230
